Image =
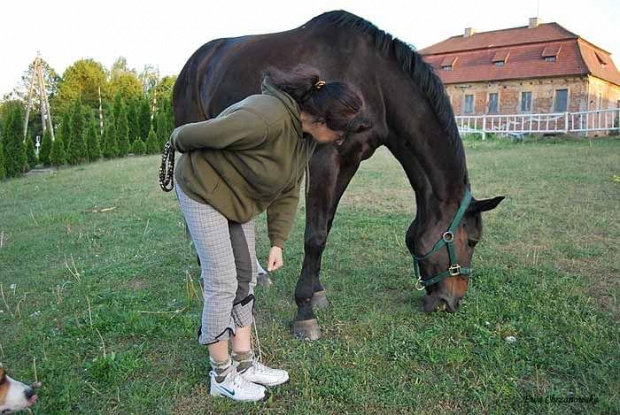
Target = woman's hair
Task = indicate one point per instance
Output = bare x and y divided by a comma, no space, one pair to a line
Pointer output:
334,103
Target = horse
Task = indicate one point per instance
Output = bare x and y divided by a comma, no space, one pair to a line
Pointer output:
405,109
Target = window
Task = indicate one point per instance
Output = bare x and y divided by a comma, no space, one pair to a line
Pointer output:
448,62
499,63
526,102
500,58
493,103
550,52
561,100
469,104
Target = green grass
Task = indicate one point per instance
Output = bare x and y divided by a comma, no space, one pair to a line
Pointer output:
116,334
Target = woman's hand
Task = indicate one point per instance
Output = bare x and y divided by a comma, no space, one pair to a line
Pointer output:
275,259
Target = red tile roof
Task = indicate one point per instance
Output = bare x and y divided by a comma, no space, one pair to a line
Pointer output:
523,50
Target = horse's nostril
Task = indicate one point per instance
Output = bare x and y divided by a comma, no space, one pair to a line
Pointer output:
29,393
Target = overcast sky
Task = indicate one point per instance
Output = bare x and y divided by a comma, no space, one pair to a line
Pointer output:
164,33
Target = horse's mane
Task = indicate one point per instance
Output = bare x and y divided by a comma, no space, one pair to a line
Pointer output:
410,61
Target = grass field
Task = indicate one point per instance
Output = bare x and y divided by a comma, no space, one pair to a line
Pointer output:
98,294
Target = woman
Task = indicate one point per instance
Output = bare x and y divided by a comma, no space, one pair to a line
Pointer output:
249,159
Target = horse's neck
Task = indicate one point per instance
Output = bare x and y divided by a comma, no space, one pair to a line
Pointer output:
434,168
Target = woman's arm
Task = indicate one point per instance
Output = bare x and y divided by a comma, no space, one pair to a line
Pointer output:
281,214
239,130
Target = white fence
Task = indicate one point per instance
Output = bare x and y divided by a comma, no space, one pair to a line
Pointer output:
603,121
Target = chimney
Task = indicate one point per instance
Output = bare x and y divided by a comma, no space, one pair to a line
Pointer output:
469,31
534,22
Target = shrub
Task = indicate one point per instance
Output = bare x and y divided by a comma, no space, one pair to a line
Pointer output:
58,156
138,147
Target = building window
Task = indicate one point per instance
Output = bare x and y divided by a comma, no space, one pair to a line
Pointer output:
499,63
526,102
493,103
469,104
561,100
447,67
550,58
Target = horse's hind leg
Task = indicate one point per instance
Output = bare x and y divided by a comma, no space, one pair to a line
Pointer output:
330,176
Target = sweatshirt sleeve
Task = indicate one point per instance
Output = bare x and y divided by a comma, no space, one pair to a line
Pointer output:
281,214
239,130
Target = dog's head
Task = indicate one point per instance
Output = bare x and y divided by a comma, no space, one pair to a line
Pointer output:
14,395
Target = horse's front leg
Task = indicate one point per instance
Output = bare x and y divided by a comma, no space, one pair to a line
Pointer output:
330,173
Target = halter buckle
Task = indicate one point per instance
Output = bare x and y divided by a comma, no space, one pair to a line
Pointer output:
418,284
454,270
448,236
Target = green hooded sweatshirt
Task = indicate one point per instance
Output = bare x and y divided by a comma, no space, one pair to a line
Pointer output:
248,159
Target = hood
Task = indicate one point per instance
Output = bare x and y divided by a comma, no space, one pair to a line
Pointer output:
288,101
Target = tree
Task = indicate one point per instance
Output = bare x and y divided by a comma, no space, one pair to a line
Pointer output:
58,155
2,162
152,146
31,155
65,130
76,152
145,119
46,148
124,80
132,118
81,80
149,77
14,150
109,147
122,130
94,147
138,147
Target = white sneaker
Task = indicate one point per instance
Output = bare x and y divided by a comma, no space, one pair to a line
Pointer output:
237,388
263,375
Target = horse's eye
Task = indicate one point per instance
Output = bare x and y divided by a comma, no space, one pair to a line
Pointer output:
472,242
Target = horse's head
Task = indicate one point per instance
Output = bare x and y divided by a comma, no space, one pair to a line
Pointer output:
444,266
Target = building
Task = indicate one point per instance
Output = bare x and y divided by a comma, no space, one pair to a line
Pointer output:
534,69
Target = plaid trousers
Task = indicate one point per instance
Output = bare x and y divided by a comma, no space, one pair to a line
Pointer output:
228,260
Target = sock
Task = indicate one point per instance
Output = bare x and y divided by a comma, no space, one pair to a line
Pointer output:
245,360
221,369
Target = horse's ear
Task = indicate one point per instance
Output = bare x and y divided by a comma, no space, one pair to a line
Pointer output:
485,205
359,124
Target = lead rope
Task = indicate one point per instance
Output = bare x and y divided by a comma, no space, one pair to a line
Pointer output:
166,170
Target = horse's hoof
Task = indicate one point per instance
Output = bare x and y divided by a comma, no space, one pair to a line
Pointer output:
264,280
319,300
307,330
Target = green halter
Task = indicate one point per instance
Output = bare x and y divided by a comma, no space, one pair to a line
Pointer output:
448,240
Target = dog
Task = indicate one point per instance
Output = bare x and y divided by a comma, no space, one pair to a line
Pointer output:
15,396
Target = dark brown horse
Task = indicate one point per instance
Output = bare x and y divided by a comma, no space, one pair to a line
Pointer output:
406,110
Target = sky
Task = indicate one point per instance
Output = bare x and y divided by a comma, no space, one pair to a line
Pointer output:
165,33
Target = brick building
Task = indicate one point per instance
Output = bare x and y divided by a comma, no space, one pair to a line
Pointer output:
539,68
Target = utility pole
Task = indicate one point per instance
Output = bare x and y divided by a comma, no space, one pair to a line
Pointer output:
46,113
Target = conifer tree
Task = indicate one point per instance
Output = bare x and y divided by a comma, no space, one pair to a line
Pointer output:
138,147
109,147
57,155
65,130
122,130
31,155
152,147
145,119
14,151
2,162
162,127
76,153
92,142
132,118
46,148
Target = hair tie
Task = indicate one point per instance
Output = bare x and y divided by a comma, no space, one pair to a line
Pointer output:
319,85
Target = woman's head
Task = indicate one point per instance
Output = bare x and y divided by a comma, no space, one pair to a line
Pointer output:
327,107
